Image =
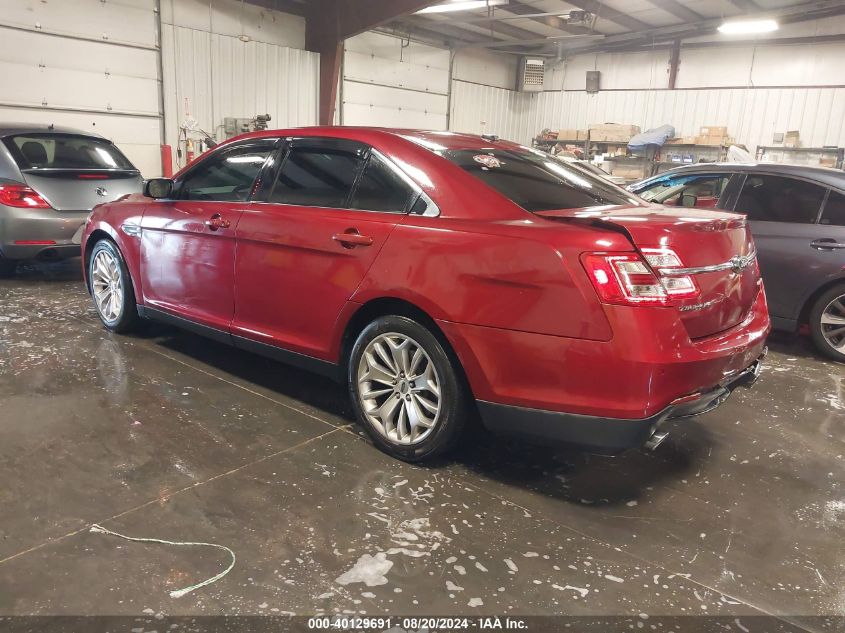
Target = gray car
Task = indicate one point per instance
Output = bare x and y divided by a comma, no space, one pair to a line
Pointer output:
50,179
797,217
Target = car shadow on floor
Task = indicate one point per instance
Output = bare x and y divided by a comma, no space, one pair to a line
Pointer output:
52,271
563,473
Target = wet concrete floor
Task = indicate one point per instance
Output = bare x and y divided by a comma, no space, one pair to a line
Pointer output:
740,512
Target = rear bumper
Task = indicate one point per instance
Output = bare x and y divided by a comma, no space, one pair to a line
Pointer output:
608,435
39,233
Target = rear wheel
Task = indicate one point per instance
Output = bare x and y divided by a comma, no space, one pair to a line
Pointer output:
7,267
111,287
405,389
827,323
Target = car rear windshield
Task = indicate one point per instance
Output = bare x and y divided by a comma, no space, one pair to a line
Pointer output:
65,151
537,181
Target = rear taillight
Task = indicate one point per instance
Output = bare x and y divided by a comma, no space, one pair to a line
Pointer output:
664,261
628,279
22,196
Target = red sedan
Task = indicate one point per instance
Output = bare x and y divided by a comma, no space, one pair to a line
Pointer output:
439,275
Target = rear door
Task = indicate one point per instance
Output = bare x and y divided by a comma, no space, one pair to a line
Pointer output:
304,250
782,212
73,172
188,243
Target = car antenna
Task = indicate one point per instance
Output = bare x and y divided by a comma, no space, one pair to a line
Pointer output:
490,137
51,126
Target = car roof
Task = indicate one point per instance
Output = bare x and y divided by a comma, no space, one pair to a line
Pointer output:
431,139
11,129
825,175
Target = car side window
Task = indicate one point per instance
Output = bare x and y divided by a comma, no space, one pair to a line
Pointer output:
702,190
834,210
317,177
777,199
380,188
227,176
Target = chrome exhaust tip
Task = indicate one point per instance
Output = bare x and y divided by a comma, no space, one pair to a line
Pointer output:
656,439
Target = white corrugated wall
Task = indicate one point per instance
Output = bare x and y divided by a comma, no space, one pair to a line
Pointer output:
217,63
86,64
391,82
752,115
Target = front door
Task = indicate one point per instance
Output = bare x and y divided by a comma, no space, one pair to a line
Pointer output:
304,251
188,243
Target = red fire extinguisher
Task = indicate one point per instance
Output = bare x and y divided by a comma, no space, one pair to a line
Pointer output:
189,151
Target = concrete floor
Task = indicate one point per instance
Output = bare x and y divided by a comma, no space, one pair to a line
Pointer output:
740,512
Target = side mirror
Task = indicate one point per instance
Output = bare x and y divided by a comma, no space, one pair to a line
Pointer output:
689,200
158,188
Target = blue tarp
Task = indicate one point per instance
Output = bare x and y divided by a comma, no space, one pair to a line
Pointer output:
658,136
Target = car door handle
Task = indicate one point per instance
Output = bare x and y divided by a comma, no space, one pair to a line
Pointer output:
826,243
217,222
352,238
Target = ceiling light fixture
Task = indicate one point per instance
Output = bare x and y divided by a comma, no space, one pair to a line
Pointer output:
745,27
462,5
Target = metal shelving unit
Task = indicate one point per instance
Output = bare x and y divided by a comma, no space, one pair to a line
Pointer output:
801,155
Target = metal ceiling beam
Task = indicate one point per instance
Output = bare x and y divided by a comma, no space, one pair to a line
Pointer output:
599,9
813,10
677,9
493,29
441,31
749,6
553,21
329,22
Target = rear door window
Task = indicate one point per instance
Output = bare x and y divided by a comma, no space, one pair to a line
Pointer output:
381,188
318,176
767,198
696,190
834,210
65,151
227,176
538,182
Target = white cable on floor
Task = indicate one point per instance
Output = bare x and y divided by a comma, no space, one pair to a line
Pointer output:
178,593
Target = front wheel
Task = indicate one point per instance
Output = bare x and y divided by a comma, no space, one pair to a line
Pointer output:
827,323
111,287
405,389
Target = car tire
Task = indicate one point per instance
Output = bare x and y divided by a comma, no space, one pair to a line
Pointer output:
7,267
111,287
407,392
825,325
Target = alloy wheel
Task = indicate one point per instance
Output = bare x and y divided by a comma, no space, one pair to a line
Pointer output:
107,284
399,388
833,324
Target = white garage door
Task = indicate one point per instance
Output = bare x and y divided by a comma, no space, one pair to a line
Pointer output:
89,64
393,83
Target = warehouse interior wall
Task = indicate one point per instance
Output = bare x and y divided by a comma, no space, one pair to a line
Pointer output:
754,90
225,58
393,82
88,65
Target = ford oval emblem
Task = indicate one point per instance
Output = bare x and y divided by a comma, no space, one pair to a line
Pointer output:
101,191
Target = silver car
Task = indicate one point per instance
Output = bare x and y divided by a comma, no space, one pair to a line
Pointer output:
50,179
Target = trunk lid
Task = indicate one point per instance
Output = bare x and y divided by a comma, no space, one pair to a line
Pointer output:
717,243
80,190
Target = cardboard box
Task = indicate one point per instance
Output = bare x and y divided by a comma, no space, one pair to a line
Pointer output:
790,139
613,132
571,134
714,140
713,130
827,161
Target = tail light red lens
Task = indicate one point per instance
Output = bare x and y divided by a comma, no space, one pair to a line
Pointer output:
663,261
22,196
629,278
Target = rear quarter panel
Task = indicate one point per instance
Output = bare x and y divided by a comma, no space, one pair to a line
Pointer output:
520,275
